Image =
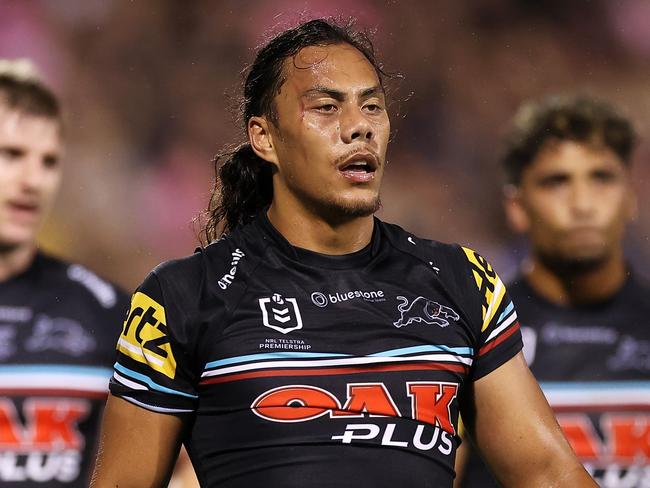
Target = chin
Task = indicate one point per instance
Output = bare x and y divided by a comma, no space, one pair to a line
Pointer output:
337,206
359,207
342,210
8,245
13,240
575,261
586,252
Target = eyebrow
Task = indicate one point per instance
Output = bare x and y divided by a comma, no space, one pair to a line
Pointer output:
341,96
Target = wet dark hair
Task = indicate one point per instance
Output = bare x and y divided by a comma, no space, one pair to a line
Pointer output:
243,185
21,90
565,118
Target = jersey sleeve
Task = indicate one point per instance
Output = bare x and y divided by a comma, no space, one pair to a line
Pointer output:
153,368
499,337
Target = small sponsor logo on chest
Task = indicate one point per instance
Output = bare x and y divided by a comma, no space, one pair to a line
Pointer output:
556,334
322,300
15,314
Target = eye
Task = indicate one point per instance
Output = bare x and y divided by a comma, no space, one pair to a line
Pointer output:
11,153
50,161
327,108
604,176
553,181
373,108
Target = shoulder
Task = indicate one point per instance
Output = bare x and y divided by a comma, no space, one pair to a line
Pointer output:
520,291
418,247
463,271
216,259
214,271
181,270
467,266
452,262
639,284
634,294
77,278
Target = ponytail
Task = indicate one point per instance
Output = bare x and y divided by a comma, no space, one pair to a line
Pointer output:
242,189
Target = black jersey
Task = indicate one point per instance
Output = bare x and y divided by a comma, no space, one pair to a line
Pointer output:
300,369
593,363
57,347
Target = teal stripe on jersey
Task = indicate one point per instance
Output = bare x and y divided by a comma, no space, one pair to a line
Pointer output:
505,313
273,355
319,355
49,369
430,348
152,384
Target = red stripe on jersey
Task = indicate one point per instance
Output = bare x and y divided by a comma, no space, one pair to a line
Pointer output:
504,335
28,392
325,371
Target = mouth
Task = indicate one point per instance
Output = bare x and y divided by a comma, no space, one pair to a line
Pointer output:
23,210
584,235
583,230
360,167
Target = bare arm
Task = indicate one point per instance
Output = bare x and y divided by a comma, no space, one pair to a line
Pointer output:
517,433
462,454
137,447
184,475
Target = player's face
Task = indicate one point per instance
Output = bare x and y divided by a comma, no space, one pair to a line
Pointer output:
574,202
331,134
30,174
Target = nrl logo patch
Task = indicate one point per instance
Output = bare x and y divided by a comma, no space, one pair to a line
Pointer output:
281,314
424,310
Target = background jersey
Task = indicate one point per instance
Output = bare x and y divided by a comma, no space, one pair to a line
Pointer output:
593,363
58,326
301,369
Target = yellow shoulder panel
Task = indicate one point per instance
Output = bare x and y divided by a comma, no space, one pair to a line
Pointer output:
488,283
144,335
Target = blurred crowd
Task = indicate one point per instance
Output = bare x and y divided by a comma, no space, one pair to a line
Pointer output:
150,90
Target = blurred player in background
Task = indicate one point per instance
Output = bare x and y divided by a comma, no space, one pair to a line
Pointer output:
585,312
312,344
58,321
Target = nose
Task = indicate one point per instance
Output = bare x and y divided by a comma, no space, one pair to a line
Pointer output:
32,174
355,126
583,199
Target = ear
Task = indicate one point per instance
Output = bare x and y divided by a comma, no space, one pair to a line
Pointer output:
514,208
261,139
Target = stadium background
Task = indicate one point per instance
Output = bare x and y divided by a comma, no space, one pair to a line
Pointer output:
150,87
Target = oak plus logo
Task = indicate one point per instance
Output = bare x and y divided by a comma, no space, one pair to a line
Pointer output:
44,444
429,404
281,314
618,456
228,278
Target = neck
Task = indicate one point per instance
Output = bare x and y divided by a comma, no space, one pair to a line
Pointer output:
578,288
307,230
15,260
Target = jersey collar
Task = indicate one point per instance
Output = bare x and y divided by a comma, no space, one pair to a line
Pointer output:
356,259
